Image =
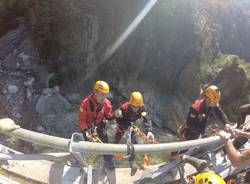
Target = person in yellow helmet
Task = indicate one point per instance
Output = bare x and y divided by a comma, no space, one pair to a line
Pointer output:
93,110
207,178
200,112
205,175
95,107
130,112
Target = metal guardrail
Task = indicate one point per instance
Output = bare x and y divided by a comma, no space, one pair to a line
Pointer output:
97,148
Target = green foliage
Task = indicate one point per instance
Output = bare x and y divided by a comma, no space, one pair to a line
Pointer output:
218,64
223,61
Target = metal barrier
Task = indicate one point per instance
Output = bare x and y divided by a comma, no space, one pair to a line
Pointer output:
96,148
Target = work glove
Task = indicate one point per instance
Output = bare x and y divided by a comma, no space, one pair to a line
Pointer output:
7,124
150,137
118,113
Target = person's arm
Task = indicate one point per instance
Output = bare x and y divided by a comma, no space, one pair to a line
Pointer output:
237,159
109,114
83,116
242,133
221,115
147,123
191,119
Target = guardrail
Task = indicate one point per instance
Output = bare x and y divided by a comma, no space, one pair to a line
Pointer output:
103,148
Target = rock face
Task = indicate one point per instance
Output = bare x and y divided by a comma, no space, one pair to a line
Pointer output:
75,99
58,117
10,10
19,83
232,79
151,54
61,124
7,20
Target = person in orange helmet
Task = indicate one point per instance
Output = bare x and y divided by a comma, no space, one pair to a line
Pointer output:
200,112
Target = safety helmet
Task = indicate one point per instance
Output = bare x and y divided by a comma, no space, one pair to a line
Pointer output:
213,94
136,99
101,86
209,178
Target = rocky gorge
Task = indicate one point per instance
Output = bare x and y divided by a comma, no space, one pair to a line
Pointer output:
47,48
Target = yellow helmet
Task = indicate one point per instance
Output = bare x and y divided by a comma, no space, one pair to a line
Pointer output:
209,178
136,99
213,94
102,87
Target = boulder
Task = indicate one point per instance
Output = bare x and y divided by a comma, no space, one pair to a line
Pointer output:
51,102
61,124
13,89
75,99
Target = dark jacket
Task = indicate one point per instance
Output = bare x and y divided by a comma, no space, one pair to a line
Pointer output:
199,114
130,116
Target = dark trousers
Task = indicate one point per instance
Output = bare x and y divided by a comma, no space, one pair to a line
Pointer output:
135,139
102,134
186,134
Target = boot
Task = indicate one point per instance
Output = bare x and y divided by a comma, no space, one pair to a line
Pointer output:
109,166
133,167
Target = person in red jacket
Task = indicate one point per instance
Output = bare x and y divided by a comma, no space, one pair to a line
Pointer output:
93,110
128,114
200,112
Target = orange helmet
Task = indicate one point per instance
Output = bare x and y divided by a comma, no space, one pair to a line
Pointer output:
213,94
102,87
136,99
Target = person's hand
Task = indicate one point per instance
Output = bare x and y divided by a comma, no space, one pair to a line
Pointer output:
150,137
7,124
88,134
83,130
237,132
118,113
223,134
227,127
